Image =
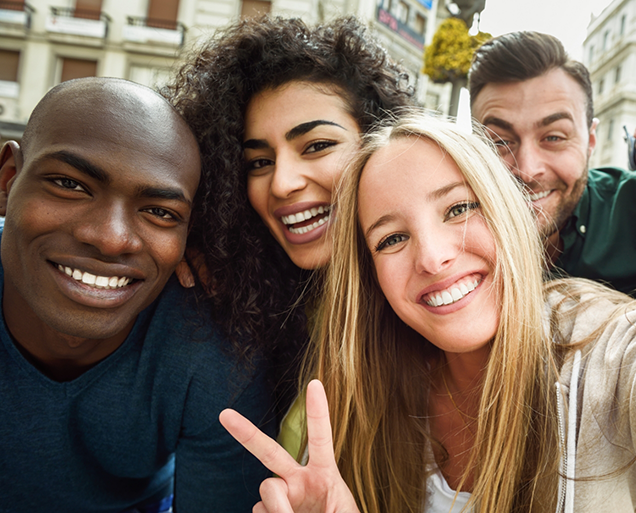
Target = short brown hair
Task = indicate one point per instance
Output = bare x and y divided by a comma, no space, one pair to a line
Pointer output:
520,56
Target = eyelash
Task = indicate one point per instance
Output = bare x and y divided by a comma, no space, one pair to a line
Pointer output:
385,242
60,180
467,205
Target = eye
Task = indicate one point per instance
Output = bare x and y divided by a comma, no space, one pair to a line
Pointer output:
461,209
69,184
319,146
256,164
391,240
553,138
162,213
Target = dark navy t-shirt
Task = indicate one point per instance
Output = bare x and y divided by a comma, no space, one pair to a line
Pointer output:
116,436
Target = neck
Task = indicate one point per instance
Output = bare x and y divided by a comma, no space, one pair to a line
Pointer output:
464,371
57,355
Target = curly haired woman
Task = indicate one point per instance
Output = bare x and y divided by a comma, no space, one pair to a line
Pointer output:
278,108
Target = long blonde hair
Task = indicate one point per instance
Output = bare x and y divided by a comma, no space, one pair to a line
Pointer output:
377,371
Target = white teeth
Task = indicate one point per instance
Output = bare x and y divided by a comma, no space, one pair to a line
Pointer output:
308,228
538,195
99,282
88,278
452,295
304,216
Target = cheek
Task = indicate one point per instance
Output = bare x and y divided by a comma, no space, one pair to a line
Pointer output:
257,194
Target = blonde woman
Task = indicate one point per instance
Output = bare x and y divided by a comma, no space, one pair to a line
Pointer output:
455,379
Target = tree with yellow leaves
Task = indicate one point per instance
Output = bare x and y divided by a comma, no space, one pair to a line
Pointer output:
447,58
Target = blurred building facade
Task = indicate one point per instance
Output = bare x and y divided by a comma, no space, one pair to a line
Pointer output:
44,42
610,56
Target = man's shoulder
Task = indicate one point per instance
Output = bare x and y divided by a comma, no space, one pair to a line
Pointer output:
611,179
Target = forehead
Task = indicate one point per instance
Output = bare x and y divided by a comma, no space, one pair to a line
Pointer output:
406,171
294,103
127,138
532,100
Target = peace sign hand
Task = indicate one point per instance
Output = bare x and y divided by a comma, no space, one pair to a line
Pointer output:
317,487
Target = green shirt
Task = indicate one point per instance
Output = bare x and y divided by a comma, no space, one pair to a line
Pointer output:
599,239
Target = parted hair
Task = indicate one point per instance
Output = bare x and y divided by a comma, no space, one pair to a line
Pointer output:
255,287
377,371
520,56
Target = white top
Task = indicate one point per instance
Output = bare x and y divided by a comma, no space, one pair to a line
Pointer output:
440,496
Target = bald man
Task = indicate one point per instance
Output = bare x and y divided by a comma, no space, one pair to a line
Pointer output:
111,377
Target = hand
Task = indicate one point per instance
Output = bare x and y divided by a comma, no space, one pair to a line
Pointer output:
317,487
185,273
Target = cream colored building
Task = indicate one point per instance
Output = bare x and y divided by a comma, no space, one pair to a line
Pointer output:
44,42
610,56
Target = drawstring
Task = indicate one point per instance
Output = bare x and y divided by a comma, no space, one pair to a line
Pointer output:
567,468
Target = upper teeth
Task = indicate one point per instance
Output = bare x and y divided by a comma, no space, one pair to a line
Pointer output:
538,195
303,216
100,282
453,294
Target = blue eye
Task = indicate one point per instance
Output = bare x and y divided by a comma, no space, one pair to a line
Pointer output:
461,208
391,240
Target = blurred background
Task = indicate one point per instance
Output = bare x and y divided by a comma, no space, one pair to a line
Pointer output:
45,42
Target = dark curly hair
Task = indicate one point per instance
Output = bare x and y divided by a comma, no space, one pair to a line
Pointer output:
255,288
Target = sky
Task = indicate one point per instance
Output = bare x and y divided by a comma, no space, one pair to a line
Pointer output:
565,19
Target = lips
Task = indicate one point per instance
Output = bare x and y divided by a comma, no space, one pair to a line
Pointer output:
455,292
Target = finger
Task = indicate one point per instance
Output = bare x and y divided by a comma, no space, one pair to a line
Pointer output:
319,438
272,455
274,492
259,507
184,274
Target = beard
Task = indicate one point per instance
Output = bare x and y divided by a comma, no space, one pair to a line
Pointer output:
550,224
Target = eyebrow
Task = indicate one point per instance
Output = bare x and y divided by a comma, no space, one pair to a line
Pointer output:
97,173
163,193
81,164
297,131
431,196
548,120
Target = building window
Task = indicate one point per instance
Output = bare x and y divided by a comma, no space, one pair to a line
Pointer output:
89,9
77,68
9,61
610,130
601,85
251,8
623,20
419,24
605,40
163,14
591,58
617,75
402,13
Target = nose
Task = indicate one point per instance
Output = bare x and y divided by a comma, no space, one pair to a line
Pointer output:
288,177
111,229
528,164
436,250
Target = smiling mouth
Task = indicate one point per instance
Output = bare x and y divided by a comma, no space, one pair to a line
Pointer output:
92,280
538,195
452,294
308,220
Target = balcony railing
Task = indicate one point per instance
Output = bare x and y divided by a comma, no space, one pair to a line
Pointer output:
79,22
147,30
16,13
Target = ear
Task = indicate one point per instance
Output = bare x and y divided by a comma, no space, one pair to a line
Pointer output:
592,140
10,165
